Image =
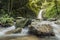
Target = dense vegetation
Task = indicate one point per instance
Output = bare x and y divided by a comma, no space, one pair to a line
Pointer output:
53,9
24,8
28,8
16,8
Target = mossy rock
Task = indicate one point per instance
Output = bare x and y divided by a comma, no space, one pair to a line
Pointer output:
21,22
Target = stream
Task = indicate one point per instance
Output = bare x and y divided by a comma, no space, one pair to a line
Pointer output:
24,32
56,27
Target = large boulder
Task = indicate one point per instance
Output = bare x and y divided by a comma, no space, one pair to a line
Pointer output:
40,29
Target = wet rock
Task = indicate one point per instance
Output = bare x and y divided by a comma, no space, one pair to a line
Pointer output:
18,30
52,19
40,29
21,22
57,22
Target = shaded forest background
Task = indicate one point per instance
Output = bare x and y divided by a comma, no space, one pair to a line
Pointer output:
29,8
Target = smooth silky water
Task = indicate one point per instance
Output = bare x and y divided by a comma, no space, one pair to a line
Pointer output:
24,32
56,27
3,31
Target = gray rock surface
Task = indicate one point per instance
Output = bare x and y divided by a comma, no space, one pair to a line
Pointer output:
41,29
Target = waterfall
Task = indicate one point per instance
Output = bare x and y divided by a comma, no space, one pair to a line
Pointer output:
40,14
56,27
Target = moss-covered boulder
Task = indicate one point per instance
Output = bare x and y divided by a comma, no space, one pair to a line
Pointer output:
21,22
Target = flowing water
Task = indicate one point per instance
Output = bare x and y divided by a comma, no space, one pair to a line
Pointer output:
56,27
40,14
24,32
4,30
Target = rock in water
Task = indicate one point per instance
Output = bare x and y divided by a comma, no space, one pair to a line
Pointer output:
18,30
52,19
41,29
57,22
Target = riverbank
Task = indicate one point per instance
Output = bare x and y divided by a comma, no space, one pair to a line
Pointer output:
29,37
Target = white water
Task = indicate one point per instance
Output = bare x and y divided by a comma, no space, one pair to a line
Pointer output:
40,14
56,27
24,32
3,31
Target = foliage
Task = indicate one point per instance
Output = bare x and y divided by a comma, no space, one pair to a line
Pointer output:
29,8
52,9
17,8
34,5
6,20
